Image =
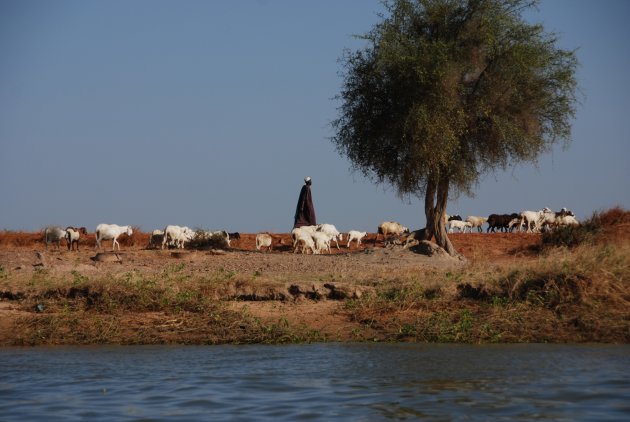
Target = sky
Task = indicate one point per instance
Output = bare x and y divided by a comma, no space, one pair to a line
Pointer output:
210,114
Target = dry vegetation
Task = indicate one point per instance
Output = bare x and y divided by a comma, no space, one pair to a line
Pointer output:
514,288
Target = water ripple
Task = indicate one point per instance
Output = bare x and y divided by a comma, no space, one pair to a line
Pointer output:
316,382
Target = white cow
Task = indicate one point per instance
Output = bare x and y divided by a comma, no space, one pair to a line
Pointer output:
111,232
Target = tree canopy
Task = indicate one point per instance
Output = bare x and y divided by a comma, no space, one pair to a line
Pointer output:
448,90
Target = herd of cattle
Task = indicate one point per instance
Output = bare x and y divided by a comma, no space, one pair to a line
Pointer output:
317,239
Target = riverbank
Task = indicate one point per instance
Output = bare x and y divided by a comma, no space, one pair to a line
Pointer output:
508,289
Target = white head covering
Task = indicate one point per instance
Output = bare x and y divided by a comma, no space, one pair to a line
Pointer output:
307,179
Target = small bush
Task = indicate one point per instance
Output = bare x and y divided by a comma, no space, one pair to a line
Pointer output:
588,231
572,236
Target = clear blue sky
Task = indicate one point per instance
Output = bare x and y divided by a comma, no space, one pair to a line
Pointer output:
210,113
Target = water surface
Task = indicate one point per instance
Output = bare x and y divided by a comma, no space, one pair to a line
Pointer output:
316,382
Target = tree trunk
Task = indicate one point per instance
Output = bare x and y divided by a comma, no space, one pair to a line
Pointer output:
434,211
429,199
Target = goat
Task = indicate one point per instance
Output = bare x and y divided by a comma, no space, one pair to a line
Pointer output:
515,222
72,236
222,233
528,218
566,220
178,235
264,240
299,230
460,225
537,218
331,230
111,232
322,241
500,221
54,234
564,217
355,235
156,238
476,222
390,227
302,236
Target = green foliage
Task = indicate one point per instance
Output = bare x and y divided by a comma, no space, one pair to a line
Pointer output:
449,90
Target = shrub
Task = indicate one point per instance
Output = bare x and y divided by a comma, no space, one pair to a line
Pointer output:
571,236
588,231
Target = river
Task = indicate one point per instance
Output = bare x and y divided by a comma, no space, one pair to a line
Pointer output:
321,382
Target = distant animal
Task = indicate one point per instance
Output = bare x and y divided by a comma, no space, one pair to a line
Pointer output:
564,217
221,233
536,220
178,235
156,238
264,240
476,222
566,220
72,236
500,222
302,237
322,241
332,231
460,225
54,234
514,223
355,235
390,228
111,232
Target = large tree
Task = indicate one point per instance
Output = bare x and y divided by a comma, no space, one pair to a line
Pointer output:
446,91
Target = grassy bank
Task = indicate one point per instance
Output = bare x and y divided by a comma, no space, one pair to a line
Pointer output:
574,288
564,296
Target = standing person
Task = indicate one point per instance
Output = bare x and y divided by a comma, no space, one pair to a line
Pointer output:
304,212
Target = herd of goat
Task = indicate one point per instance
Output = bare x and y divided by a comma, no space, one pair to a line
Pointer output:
317,239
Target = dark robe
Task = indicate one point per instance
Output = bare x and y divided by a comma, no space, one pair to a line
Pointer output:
304,212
